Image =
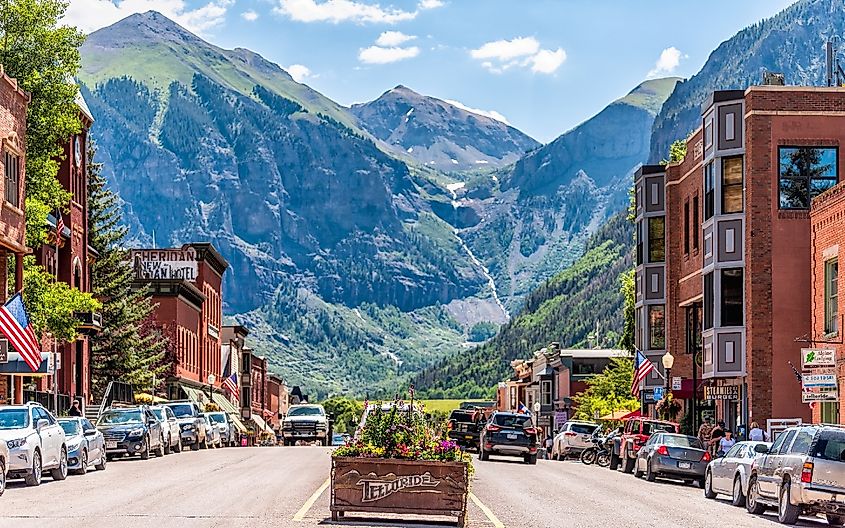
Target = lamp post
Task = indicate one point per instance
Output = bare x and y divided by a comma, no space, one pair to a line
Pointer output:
211,379
668,360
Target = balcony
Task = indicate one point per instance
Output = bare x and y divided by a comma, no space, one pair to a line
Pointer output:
90,323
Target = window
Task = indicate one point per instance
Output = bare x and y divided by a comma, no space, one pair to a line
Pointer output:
805,172
709,190
638,327
686,228
657,239
693,315
779,441
13,173
831,296
787,440
801,445
695,224
708,301
732,286
546,392
830,445
656,327
830,412
639,243
734,451
732,185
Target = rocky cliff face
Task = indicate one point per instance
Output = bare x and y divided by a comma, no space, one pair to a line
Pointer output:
439,134
791,42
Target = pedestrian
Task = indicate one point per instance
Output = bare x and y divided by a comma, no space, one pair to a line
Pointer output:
704,431
726,443
75,409
549,442
757,434
717,434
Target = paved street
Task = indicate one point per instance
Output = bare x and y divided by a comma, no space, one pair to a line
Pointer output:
258,487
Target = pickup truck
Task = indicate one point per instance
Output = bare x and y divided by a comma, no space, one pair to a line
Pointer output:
465,427
307,423
636,433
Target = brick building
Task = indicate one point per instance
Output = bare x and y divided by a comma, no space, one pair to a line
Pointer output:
827,218
13,107
738,272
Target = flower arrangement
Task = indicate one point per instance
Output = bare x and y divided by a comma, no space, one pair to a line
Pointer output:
401,431
668,407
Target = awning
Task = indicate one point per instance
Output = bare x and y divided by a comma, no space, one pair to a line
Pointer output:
230,409
194,394
262,425
620,415
16,365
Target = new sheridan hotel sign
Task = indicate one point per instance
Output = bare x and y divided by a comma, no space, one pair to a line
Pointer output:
157,264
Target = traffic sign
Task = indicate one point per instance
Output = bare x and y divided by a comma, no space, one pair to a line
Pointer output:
658,393
676,383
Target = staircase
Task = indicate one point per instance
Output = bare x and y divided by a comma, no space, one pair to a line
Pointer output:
92,411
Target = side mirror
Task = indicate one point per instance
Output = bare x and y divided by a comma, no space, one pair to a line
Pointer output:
90,432
761,449
41,424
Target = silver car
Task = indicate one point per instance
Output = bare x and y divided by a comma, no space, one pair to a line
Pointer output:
803,473
214,439
728,475
573,438
674,456
169,428
85,445
4,463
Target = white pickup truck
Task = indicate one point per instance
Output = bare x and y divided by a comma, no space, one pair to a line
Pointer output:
306,423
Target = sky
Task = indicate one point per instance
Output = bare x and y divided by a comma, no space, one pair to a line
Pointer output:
543,66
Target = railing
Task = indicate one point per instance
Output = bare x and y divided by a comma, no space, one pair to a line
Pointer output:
117,391
46,399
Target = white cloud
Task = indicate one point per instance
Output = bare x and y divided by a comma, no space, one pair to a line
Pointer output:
522,52
668,62
90,15
380,55
492,114
300,72
431,4
547,61
249,16
337,11
393,38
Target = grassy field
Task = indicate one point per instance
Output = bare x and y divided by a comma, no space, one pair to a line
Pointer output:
442,405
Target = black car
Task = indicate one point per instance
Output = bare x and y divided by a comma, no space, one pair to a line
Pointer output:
509,434
131,431
465,427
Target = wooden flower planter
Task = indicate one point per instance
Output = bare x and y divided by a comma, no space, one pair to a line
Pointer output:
382,485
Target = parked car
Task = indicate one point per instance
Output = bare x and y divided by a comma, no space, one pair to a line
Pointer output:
213,434
224,426
4,463
572,438
509,434
338,440
36,443
464,426
674,456
635,434
192,425
170,428
85,445
307,423
131,431
729,474
803,473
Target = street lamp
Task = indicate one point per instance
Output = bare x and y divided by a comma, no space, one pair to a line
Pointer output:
211,379
668,360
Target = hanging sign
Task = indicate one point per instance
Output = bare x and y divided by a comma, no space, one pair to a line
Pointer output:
722,392
818,380
812,358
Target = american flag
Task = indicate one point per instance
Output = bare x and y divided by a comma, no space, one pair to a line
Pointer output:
642,367
14,324
231,385
60,227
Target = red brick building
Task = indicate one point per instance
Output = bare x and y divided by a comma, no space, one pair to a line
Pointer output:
186,284
13,108
738,274
827,218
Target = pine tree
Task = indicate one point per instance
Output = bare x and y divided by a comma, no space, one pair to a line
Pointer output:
129,347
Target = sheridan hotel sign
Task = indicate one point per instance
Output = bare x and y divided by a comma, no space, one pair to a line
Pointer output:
158,264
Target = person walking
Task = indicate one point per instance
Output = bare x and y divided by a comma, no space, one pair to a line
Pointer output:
75,409
726,443
757,434
704,431
715,436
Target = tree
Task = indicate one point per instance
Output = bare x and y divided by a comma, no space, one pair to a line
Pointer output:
609,391
677,152
52,304
344,412
129,347
628,289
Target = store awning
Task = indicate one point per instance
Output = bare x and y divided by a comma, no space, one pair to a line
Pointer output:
620,415
230,409
196,395
16,365
262,425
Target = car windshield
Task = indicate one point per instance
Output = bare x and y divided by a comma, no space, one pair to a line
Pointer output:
656,427
159,413
305,411
14,418
583,428
120,417
830,446
71,427
511,420
461,416
182,411
682,441
217,418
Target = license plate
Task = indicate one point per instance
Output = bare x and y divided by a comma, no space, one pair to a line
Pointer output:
511,437
685,465
468,437
111,445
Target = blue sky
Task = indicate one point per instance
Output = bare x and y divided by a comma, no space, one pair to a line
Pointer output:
545,65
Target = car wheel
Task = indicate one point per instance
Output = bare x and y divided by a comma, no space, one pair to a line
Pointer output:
614,461
832,520
2,477
33,478
60,473
145,454
83,462
787,512
167,447
628,465
101,465
160,448
737,497
708,485
178,447
483,455
649,472
752,503
637,472
195,446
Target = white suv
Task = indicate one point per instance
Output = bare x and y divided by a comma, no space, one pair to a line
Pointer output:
573,438
36,443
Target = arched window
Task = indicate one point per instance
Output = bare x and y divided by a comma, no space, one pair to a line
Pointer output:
77,274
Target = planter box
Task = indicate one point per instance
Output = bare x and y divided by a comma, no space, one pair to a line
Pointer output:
382,485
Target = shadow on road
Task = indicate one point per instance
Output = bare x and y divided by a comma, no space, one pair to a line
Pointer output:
378,522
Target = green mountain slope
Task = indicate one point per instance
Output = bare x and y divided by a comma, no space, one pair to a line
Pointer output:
582,299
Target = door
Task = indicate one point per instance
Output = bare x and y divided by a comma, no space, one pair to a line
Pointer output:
770,469
51,440
723,469
96,444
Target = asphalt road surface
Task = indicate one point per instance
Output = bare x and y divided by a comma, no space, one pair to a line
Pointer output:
285,487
